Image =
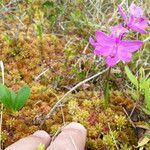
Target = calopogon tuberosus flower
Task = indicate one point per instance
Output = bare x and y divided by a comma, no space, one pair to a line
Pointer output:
135,20
113,47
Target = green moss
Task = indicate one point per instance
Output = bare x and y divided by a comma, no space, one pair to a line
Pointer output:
120,121
92,114
109,141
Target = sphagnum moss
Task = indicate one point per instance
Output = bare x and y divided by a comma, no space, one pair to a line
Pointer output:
86,109
99,122
98,131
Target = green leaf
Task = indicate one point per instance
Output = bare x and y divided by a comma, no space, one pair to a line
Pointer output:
5,96
145,84
131,77
21,98
147,97
148,82
146,111
13,98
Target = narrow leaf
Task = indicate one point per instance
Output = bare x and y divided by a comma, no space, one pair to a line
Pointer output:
145,84
147,98
131,77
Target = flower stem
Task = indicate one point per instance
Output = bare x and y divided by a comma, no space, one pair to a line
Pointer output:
106,90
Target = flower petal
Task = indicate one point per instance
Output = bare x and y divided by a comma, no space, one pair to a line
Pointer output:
143,22
103,39
104,51
135,10
92,42
122,13
125,56
129,46
112,61
118,31
138,25
137,28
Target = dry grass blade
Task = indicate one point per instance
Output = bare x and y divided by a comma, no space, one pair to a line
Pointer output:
129,118
1,113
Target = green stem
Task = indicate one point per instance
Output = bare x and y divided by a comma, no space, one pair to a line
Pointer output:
106,90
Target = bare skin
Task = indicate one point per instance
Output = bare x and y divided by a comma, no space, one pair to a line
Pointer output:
72,137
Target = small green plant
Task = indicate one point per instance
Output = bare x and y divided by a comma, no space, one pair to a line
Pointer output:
7,38
39,30
142,85
12,100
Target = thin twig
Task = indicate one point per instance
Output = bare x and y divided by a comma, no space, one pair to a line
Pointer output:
84,51
133,109
36,78
129,118
60,101
58,131
56,134
63,116
122,2
147,39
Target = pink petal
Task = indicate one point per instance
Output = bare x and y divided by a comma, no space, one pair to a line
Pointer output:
135,10
129,46
112,61
92,42
143,22
124,56
122,13
138,25
118,31
137,28
104,39
104,51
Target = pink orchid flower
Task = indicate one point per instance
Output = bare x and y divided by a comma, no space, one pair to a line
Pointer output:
113,48
135,21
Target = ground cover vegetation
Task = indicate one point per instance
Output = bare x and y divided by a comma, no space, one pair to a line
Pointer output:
85,60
